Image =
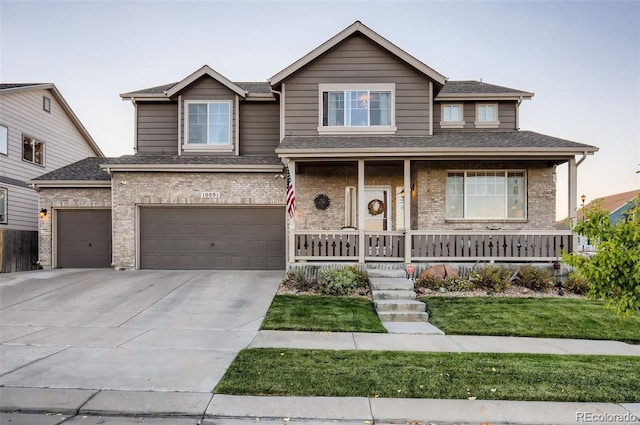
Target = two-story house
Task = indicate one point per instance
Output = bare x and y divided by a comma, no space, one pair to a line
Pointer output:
39,133
387,159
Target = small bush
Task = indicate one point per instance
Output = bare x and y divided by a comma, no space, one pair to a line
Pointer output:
535,278
576,283
338,281
429,282
298,281
458,284
361,277
492,278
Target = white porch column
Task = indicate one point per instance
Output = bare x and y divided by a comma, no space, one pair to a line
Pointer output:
407,211
573,197
361,209
292,221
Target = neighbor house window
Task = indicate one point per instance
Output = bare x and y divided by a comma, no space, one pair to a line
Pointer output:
4,140
486,195
452,115
208,123
46,104
487,115
357,108
32,150
3,205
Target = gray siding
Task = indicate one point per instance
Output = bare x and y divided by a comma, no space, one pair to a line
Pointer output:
506,116
209,89
157,128
357,60
259,128
21,112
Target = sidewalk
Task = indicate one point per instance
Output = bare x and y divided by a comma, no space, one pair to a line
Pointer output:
207,408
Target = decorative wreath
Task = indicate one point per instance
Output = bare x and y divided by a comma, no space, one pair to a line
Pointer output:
376,207
322,201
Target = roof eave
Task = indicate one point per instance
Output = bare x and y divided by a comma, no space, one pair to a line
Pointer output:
37,184
199,168
206,70
366,31
484,96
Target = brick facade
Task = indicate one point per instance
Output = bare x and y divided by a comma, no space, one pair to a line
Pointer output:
65,198
131,189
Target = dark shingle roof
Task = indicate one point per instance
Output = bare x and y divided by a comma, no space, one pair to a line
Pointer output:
87,169
254,86
454,140
472,86
155,90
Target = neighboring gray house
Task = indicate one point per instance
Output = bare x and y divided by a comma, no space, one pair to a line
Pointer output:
389,161
38,133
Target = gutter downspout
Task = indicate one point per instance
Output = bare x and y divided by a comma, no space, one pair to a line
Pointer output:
584,156
279,93
518,112
135,124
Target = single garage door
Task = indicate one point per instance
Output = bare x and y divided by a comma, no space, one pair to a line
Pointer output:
84,238
225,238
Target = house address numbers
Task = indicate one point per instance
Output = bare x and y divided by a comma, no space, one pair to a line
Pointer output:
210,195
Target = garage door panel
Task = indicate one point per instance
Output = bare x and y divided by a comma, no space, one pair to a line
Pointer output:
182,238
83,238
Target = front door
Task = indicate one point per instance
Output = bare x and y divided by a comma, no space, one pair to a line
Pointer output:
378,208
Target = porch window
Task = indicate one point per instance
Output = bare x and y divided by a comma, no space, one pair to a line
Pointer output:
487,115
357,108
489,195
208,123
452,115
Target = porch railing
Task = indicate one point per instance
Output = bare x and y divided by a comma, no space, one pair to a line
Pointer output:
453,245
490,245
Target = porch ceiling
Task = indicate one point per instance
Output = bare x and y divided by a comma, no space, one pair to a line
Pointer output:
451,144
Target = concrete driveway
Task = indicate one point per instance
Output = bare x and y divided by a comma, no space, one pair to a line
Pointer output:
132,331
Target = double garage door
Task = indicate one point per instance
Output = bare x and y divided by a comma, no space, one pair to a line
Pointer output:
234,238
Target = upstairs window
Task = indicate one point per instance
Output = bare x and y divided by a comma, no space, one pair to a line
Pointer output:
452,115
487,115
4,140
486,195
208,124
357,108
32,150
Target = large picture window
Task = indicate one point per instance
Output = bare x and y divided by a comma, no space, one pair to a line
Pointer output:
208,123
358,107
486,195
32,150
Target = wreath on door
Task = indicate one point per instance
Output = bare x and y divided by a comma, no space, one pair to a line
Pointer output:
375,207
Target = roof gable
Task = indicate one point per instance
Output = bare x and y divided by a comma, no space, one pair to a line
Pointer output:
205,71
357,27
16,87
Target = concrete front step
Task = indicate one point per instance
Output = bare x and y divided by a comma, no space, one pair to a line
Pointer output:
403,316
382,283
393,294
387,273
399,306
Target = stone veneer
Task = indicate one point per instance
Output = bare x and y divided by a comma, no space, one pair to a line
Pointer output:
61,198
132,189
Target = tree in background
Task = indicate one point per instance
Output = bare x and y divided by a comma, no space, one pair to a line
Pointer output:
613,272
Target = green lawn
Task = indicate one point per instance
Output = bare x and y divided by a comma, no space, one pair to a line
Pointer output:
532,317
486,376
322,313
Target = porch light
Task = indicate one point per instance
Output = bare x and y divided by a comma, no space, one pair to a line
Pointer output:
43,213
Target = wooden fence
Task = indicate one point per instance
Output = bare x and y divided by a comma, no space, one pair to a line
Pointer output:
18,250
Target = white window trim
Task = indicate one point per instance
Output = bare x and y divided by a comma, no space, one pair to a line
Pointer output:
377,129
192,147
6,205
6,131
484,219
486,124
452,124
44,151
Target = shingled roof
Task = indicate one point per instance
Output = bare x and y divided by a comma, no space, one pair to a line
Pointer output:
249,86
87,169
473,86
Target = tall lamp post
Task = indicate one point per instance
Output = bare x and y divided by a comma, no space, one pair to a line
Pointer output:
583,198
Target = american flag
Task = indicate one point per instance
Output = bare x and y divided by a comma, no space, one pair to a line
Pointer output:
291,196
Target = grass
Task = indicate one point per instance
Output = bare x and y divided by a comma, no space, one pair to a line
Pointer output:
322,313
486,376
531,317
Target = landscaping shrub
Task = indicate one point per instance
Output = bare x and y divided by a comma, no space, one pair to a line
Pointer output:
576,283
361,277
298,281
535,278
343,281
492,278
458,284
428,282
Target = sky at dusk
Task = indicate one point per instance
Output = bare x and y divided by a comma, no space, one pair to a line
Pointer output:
581,59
